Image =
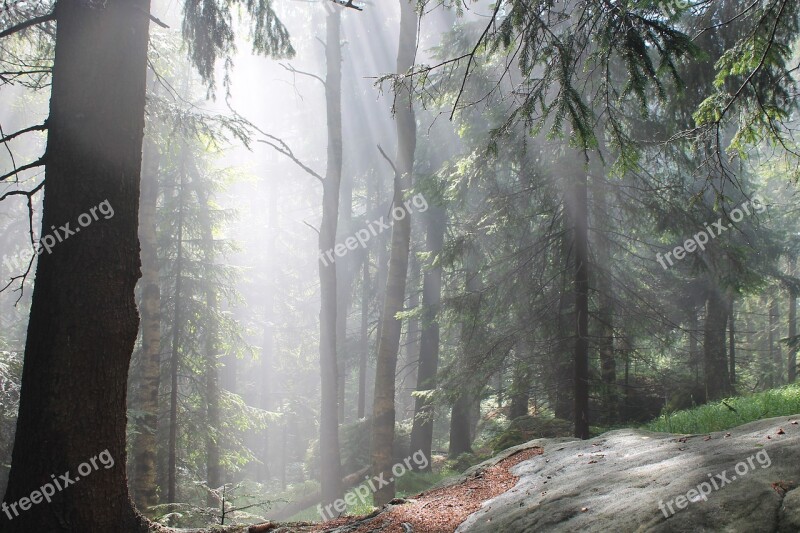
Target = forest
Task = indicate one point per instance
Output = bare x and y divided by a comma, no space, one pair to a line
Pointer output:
519,229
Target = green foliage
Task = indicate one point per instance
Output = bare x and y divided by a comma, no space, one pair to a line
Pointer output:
731,412
208,30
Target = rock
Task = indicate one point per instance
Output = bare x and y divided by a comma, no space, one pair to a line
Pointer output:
635,480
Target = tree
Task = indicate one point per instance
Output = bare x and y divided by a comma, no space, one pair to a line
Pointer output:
331,475
84,322
143,483
389,340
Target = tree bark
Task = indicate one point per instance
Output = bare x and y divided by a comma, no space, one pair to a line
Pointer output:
791,375
412,345
144,483
83,321
715,365
461,415
389,342
521,381
581,358
330,474
774,346
732,340
363,355
174,361
422,428
211,348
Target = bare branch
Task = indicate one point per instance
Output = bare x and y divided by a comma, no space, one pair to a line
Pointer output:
23,193
388,160
293,70
40,162
283,148
312,227
27,24
348,3
11,137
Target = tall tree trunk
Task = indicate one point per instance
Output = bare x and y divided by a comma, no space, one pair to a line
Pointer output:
732,340
562,369
460,434
389,342
581,358
715,367
461,416
144,484
521,381
267,389
174,361
411,361
331,465
83,320
694,353
422,428
344,279
605,289
774,346
791,375
363,352
210,349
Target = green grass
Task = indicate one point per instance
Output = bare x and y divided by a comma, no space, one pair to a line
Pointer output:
717,416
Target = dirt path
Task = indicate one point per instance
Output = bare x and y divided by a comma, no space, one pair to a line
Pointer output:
439,510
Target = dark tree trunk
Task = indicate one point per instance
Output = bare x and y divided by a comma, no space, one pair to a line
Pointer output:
461,416
732,341
715,365
174,361
460,422
144,483
412,344
83,321
694,353
605,289
792,366
581,359
422,429
521,381
389,342
775,347
331,477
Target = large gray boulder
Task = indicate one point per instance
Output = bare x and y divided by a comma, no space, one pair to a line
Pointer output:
633,481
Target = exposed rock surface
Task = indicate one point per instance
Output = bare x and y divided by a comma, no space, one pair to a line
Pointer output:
627,480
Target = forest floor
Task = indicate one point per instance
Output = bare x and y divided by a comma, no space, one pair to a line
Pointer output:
742,479
440,509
